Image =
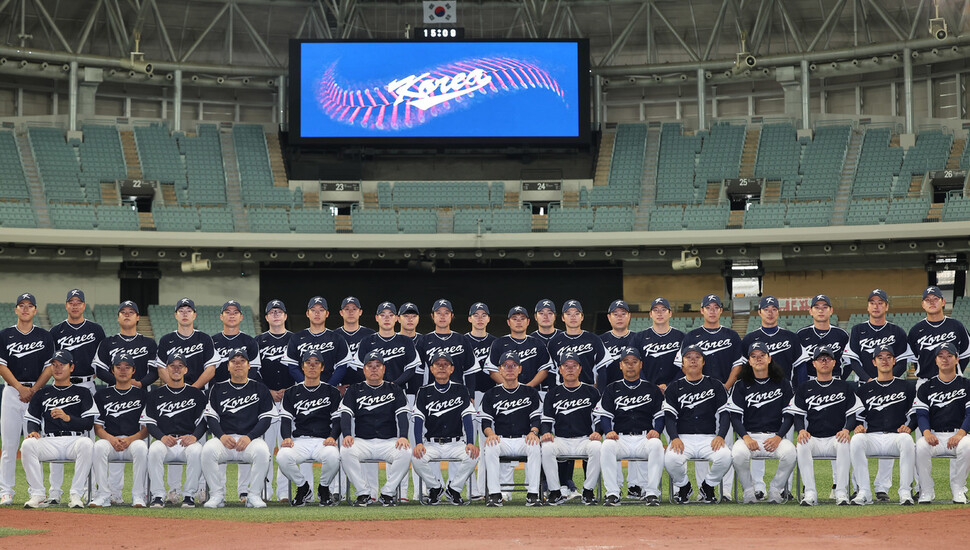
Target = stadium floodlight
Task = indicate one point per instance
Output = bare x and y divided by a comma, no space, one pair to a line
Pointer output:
196,264
686,261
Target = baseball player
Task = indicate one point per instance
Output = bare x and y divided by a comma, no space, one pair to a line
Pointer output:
822,333
756,406
723,355
25,351
545,315
874,333
336,354
592,353
511,415
531,352
121,435
926,336
824,410
444,429
173,416
408,317
568,428
310,427
63,413
480,342
353,333
140,348
885,428
632,419
617,338
782,344
238,413
659,345
374,421
696,419
445,340
942,409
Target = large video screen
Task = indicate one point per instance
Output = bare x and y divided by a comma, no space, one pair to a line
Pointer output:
439,93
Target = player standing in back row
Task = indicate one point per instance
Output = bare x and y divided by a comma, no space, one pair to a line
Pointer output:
926,336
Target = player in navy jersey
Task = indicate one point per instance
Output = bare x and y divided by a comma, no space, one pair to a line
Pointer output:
443,339
318,337
592,354
232,338
173,416
58,418
884,428
659,345
723,355
631,421
822,333
926,336
310,426
25,350
276,377
756,406
782,344
196,346
353,333
824,410
617,338
121,435
141,349
444,429
374,421
238,413
408,317
696,419
942,409
511,415
531,352
545,315
480,342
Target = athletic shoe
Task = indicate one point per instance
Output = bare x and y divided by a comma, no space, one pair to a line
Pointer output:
555,498
242,497
926,499
454,497
362,501
255,501
494,501
302,495
775,496
959,497
532,499
652,500
759,495
100,503
215,502
35,502
6,500
434,496
708,495
882,496
188,502
809,499
832,492
749,496
202,495
611,500
138,503
157,502
474,498
726,499
52,502
786,494
75,502
174,497
842,500
117,500
684,493
506,496
570,494
635,492
589,499
861,500
323,494
906,501
387,500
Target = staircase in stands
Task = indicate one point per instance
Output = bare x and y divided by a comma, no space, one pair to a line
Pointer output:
648,185
849,166
130,150
233,181
38,199
603,159
276,163
749,155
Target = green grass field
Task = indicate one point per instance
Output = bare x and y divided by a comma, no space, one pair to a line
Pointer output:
9,532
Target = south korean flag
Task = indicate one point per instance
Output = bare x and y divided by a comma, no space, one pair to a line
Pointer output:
440,12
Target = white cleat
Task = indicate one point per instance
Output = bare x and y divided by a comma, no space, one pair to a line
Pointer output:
75,502
254,501
214,502
749,497
6,500
34,502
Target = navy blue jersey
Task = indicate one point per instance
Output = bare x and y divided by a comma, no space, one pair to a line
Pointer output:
696,406
442,410
224,345
864,338
613,345
462,354
175,412
74,400
353,339
330,344
947,403
591,351
375,409
25,355
824,406
82,341
198,351
760,405
272,348
658,351
139,347
511,413
400,358
631,407
237,409
311,411
533,356
925,337
783,347
545,338
722,351
119,412
886,405
811,339
481,347
568,412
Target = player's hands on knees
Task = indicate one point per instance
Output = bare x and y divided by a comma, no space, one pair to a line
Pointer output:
187,440
771,444
242,443
842,436
168,440
418,451
547,437
532,439
676,445
348,441
653,434
595,436
930,438
120,444
402,443
860,429
954,441
471,451
717,443
493,440
904,429
750,443
614,436
227,441
804,436
329,442
288,442
34,435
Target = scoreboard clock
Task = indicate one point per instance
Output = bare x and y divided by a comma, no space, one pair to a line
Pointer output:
439,33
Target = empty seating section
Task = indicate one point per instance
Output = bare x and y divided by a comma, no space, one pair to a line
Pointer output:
216,219
472,220
721,154
511,220
117,218
206,177
380,220
956,209
867,212
417,220
613,218
912,210
760,216
311,220
159,155
72,216
878,163
437,194
573,220
268,220
666,218
17,214
255,174
175,218
778,153
822,164
626,168
809,214
675,171
13,184
101,159
706,216
930,153
58,164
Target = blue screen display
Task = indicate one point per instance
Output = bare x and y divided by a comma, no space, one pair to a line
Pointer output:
441,90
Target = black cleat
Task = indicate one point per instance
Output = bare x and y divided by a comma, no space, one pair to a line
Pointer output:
362,501
684,493
532,499
326,499
555,498
611,500
494,501
157,502
882,496
434,496
387,500
652,500
760,495
708,496
589,499
302,495
454,497
635,492
188,502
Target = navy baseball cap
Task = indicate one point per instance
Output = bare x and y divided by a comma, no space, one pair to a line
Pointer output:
572,304
948,346
75,293
63,356
630,351
318,301
883,348
544,304
567,355
238,352
386,305
758,346
275,304
374,355
823,350
618,304
310,354
516,310
232,303
122,357
934,290
476,307
184,302
439,354
711,299
690,348
879,292
349,300
767,301
660,301
128,303
29,297
442,303
821,298
408,307
510,355
176,356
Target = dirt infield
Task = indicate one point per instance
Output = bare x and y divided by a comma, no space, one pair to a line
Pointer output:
67,531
